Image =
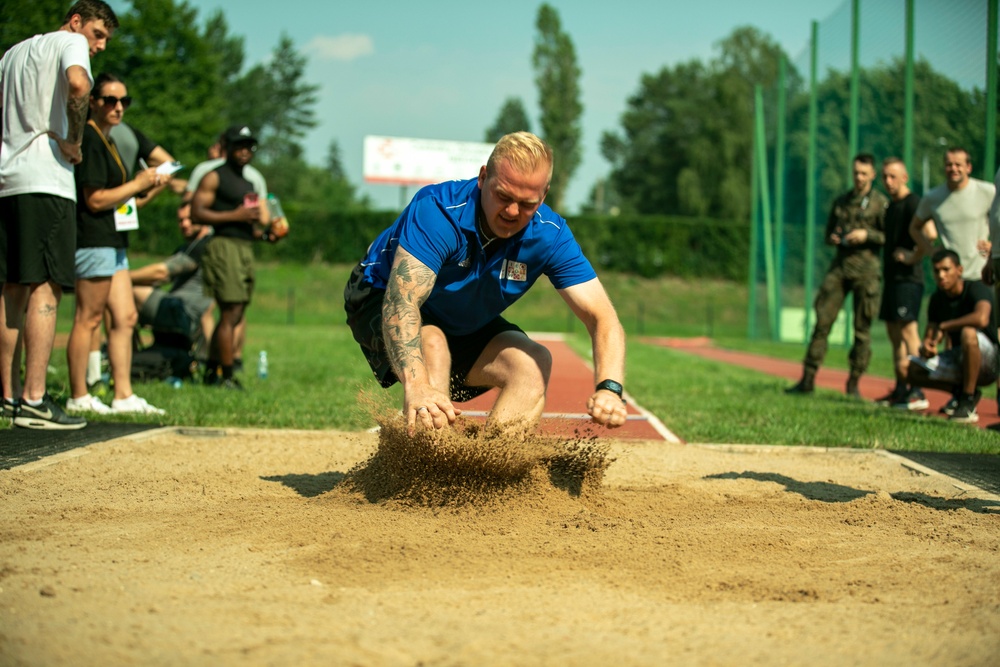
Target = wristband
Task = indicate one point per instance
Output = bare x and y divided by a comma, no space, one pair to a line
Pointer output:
612,386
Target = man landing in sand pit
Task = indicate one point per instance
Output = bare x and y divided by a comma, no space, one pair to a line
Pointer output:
425,302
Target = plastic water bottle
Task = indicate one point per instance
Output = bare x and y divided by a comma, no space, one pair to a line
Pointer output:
262,365
274,206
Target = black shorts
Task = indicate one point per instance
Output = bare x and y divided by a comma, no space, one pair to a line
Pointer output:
363,304
38,240
901,301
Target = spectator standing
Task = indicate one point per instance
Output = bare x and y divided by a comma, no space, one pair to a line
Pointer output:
105,213
902,284
228,201
45,82
856,227
216,157
957,213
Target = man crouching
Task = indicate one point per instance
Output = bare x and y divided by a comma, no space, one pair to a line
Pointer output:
963,311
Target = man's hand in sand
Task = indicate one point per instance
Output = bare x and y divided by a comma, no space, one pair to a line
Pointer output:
428,408
607,408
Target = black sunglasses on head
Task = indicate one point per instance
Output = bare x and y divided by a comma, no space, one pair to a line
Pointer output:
111,100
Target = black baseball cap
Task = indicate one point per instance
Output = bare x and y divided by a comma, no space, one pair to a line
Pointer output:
239,134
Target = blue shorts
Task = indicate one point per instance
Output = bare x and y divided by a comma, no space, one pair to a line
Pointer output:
100,262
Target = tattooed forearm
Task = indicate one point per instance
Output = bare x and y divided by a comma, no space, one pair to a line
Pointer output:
409,286
76,112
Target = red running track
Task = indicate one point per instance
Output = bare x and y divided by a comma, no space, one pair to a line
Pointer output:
871,387
565,412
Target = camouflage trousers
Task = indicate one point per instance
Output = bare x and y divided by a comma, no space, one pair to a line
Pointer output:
837,284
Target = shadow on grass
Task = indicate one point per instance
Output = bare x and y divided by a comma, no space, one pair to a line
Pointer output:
309,486
822,491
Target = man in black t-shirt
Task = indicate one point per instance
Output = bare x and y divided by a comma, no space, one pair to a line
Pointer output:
902,284
960,312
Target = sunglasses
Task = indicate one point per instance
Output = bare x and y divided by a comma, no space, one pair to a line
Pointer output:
111,100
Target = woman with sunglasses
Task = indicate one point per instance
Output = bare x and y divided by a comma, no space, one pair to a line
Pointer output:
106,203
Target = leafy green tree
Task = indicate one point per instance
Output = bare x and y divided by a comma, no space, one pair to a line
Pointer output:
21,20
335,161
276,102
686,139
557,76
172,72
512,118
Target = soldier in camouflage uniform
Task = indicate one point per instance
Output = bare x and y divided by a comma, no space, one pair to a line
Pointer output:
856,227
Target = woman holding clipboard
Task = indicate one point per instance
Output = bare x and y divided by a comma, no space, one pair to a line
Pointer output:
106,212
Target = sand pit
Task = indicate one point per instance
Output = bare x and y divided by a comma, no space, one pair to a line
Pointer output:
281,548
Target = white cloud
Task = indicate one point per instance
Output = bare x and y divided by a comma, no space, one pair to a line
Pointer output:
341,47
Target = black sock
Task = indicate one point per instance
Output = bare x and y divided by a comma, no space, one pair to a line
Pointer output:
227,372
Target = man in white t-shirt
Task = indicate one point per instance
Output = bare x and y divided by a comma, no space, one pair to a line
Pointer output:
45,83
957,213
992,270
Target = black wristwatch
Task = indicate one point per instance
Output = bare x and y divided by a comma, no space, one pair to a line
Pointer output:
612,386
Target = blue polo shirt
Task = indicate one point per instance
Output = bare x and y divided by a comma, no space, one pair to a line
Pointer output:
438,227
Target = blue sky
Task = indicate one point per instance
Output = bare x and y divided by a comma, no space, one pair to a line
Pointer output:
440,69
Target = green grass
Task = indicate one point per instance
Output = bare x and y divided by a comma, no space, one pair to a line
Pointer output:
319,380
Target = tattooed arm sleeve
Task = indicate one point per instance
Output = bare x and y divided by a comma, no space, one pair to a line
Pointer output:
410,284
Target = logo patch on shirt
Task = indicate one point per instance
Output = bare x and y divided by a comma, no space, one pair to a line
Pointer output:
514,271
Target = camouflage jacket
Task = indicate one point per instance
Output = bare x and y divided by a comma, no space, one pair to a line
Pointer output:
850,212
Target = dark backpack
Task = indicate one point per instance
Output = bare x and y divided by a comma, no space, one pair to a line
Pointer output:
158,362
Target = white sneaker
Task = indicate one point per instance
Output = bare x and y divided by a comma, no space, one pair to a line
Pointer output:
87,403
135,404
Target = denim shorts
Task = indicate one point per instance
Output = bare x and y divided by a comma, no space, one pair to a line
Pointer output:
100,262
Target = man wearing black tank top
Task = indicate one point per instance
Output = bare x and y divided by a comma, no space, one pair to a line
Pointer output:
228,202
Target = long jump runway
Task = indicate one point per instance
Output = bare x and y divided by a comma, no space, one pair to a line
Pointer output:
571,384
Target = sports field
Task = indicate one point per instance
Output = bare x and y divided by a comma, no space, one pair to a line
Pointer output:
187,546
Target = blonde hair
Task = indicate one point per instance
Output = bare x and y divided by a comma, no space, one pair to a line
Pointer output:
523,150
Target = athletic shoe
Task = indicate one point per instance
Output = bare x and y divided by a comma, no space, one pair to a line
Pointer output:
914,400
134,405
87,403
9,410
48,415
897,395
230,383
949,407
965,411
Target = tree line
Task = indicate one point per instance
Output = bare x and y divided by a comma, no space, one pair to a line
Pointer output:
683,146
686,138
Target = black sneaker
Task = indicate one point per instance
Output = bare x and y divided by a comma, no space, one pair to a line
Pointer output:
230,383
949,407
211,377
965,411
9,410
913,400
897,395
803,387
48,415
